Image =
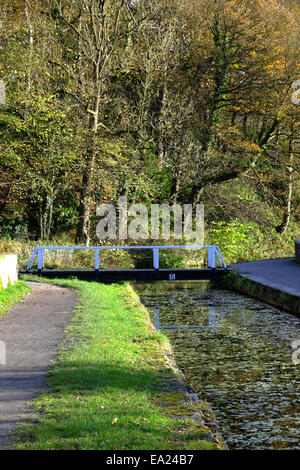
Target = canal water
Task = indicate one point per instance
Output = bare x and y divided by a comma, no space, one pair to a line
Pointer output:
238,354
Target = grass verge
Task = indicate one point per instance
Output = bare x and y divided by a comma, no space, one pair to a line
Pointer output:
113,385
12,295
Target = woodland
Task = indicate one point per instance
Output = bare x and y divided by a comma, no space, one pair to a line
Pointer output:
162,101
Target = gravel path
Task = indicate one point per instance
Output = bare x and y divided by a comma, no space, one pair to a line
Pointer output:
31,331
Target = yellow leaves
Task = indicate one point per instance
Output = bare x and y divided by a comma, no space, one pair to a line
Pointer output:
250,146
234,138
281,113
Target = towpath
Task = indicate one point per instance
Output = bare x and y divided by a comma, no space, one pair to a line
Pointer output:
31,332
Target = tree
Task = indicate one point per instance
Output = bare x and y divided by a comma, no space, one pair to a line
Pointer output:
231,48
42,155
96,33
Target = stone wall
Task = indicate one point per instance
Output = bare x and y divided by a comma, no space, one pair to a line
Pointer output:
8,270
268,294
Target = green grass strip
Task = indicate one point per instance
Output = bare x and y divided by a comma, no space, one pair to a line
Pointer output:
12,295
103,390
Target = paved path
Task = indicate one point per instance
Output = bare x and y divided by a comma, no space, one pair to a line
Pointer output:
281,274
31,331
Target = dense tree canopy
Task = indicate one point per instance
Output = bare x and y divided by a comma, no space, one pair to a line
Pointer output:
161,100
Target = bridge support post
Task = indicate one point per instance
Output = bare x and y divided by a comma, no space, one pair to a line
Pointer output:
211,257
96,259
156,258
40,259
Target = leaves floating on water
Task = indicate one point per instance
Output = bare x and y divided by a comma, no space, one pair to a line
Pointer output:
243,368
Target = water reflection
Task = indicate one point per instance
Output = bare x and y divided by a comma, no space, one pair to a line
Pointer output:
236,352
214,320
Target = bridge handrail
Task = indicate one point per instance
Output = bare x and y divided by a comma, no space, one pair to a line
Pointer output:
213,252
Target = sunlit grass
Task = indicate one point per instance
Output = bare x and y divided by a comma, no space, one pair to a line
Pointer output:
103,389
12,295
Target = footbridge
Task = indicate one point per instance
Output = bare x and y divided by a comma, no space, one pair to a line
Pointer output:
215,269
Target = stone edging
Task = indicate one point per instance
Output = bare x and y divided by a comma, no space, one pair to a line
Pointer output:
268,294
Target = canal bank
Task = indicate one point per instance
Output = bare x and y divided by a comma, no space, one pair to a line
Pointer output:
275,281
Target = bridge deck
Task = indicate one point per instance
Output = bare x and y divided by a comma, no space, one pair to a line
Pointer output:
132,274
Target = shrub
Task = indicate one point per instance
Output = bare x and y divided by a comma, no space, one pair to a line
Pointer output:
13,228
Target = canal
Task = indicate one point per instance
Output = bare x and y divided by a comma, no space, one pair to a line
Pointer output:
237,354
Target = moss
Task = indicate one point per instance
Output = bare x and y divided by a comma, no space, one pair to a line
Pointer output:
193,445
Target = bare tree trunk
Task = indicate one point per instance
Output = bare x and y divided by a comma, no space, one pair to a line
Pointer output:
83,227
49,216
289,196
27,6
161,130
45,217
176,186
220,79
